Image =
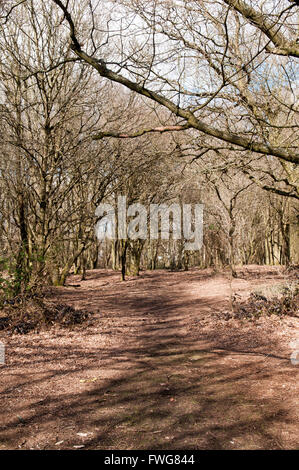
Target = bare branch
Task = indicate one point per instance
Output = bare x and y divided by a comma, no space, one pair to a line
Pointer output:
160,129
192,120
270,29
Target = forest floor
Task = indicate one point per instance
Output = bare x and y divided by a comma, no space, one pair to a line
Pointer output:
156,368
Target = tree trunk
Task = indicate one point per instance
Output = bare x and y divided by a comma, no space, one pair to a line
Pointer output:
60,278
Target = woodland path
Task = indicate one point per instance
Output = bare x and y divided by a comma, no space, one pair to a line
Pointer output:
155,370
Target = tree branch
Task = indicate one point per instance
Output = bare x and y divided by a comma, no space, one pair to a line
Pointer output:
160,129
271,30
271,189
192,120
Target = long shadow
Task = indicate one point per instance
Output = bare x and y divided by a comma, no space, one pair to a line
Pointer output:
171,390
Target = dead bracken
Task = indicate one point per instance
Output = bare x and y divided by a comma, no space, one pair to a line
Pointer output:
258,305
26,313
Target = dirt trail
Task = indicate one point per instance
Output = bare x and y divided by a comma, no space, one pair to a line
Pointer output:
156,370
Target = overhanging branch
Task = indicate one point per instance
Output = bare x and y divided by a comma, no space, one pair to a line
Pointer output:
282,45
123,135
191,120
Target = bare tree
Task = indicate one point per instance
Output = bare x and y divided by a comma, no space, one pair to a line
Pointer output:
213,62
